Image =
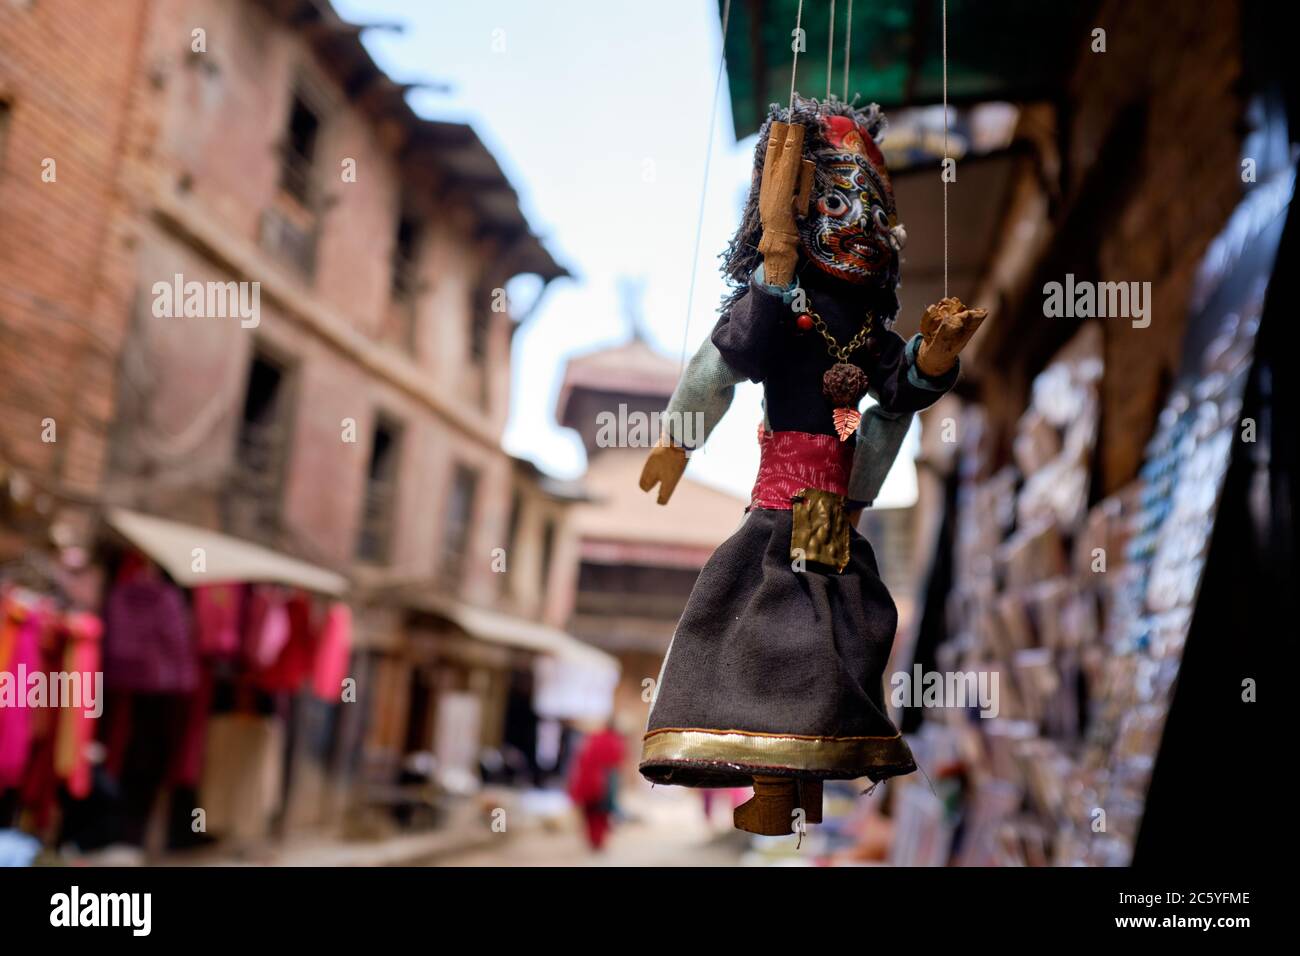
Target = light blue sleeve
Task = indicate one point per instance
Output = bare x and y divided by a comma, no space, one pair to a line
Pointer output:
880,436
701,398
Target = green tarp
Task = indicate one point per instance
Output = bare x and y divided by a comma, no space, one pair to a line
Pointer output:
997,50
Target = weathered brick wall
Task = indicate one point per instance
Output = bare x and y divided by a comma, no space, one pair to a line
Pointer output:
221,116
224,114
138,121
66,72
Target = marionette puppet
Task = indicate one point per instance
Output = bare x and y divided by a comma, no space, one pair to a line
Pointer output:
774,676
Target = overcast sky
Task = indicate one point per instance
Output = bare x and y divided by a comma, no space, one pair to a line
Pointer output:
599,114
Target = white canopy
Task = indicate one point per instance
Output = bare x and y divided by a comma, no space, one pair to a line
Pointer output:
511,631
222,558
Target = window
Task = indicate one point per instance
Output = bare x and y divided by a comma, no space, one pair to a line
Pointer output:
480,323
480,327
512,535
548,547
404,261
6,110
374,543
299,151
400,327
460,512
516,515
291,237
289,226
252,500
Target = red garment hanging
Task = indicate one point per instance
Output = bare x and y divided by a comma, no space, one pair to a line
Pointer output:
333,653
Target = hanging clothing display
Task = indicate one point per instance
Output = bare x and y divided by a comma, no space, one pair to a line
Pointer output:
148,638
333,653
81,656
267,628
20,633
218,617
293,665
188,764
150,674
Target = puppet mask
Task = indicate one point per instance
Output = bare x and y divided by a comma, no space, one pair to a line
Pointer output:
852,229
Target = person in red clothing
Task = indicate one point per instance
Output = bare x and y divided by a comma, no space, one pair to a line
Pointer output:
593,782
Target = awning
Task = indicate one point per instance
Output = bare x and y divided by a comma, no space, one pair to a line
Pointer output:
517,632
224,559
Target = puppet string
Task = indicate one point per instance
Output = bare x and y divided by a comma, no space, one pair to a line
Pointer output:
877,783
704,184
929,782
798,42
848,35
830,51
944,174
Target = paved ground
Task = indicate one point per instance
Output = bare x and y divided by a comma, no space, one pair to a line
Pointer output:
664,826
665,830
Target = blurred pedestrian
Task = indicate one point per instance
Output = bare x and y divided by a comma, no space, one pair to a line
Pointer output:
593,784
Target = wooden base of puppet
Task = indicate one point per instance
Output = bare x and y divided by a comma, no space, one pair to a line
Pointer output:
771,810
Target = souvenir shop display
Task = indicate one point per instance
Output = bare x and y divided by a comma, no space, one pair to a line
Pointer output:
1025,606
1165,524
1169,532
1085,610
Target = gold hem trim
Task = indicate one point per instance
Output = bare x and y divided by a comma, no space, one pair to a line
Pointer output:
787,751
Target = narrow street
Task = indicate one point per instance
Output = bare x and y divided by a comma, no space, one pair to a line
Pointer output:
443,435
661,831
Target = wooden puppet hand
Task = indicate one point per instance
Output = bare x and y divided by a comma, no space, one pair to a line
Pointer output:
946,327
784,185
664,468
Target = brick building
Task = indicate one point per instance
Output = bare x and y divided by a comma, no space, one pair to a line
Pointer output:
65,275
351,416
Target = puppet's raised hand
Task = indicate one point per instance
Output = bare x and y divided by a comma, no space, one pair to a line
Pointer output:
664,468
946,327
784,188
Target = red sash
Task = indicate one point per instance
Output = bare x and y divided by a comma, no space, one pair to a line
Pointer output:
794,460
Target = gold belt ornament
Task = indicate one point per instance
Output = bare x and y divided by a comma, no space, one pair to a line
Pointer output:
821,528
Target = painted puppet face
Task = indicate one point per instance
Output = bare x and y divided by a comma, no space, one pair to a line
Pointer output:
851,229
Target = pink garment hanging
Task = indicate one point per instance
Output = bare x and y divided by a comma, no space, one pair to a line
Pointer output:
268,628
293,665
333,653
